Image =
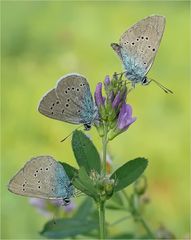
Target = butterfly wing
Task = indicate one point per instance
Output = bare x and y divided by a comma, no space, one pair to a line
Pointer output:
52,107
42,177
71,101
139,44
74,92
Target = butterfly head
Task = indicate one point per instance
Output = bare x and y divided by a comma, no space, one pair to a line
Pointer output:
145,81
87,126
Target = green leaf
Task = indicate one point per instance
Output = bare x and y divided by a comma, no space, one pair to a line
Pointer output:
84,209
85,152
64,228
84,183
70,171
128,173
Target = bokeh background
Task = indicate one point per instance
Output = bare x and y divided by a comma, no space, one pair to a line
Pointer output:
43,40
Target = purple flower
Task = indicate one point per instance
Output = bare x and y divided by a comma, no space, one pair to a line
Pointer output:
47,207
107,80
41,206
70,207
125,118
60,202
116,100
37,202
99,99
57,202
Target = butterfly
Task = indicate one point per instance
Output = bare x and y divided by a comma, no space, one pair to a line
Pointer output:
138,46
42,177
70,101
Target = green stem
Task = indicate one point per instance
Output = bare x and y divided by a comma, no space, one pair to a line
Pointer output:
101,204
101,208
147,228
138,216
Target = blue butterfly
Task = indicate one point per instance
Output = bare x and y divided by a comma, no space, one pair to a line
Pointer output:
138,46
42,177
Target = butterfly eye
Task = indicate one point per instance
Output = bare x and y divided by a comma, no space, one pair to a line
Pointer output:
38,186
153,49
68,89
77,89
67,105
46,169
132,43
142,37
149,46
147,38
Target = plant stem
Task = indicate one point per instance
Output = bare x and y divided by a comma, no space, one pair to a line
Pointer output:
120,220
147,228
101,204
101,207
136,214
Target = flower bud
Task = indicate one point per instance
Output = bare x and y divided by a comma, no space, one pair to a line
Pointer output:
140,185
98,95
107,81
116,100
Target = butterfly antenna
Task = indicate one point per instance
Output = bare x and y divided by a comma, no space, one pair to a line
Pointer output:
166,90
70,134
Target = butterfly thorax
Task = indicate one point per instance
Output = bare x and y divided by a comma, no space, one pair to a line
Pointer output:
93,119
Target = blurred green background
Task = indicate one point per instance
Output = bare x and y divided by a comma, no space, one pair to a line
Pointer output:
41,41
